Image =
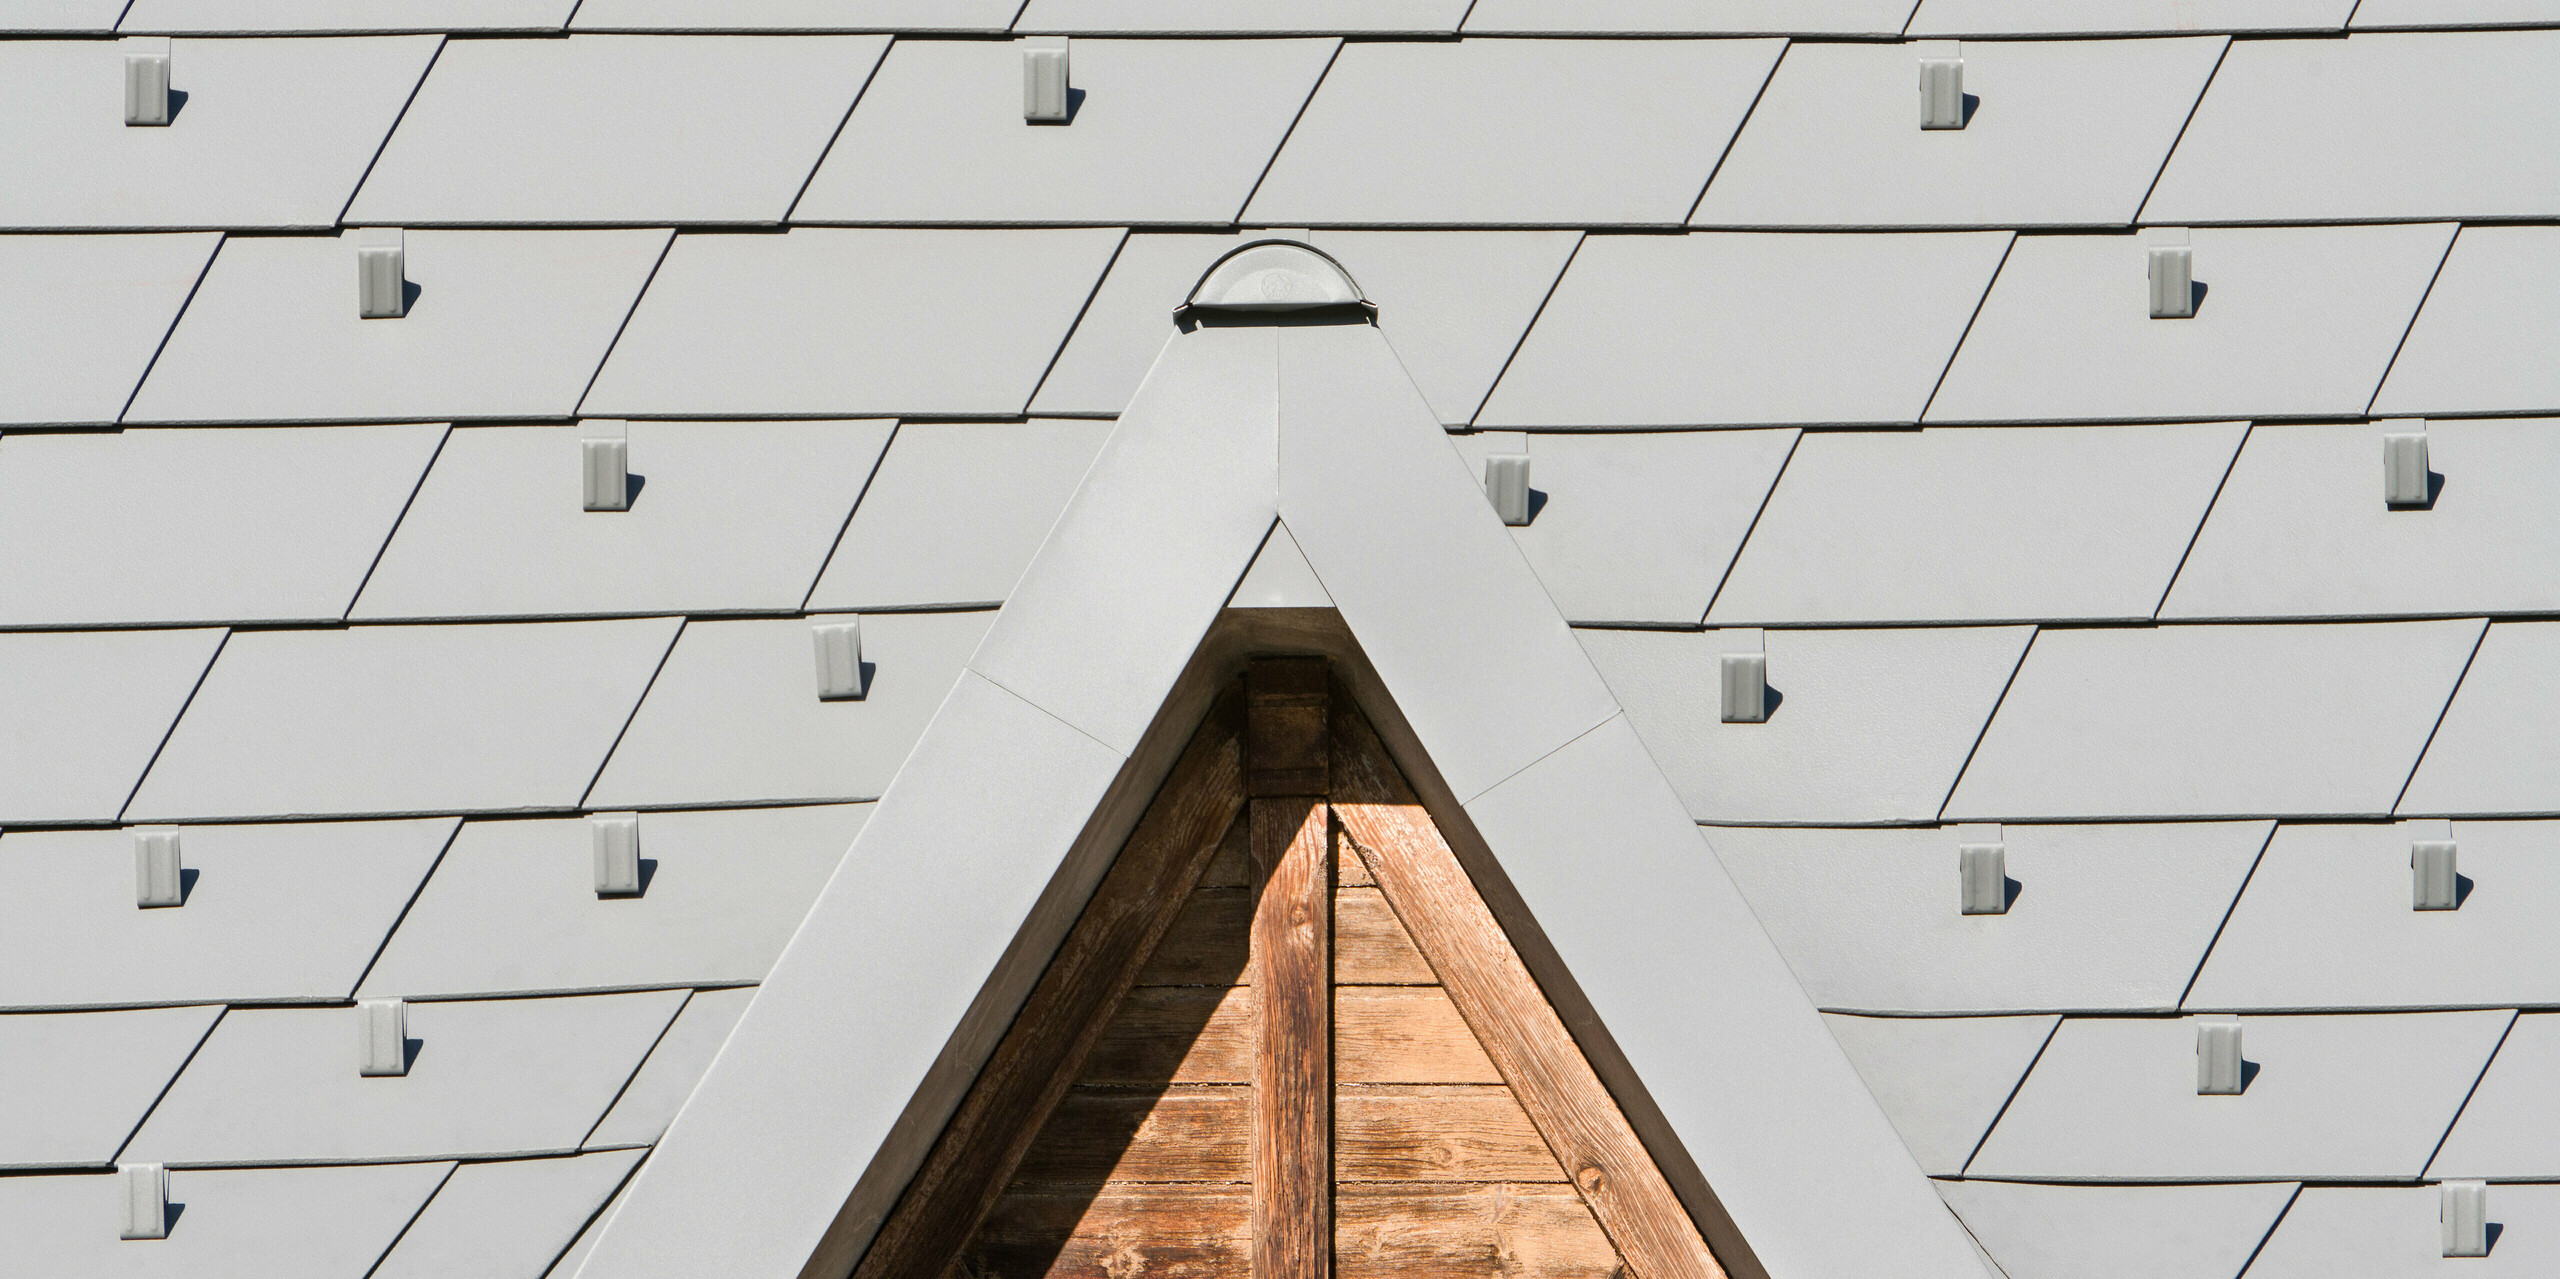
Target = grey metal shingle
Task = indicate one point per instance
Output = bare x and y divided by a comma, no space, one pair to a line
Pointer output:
731,516
82,316
199,525
2115,1100
1742,329
513,909
2286,133
2494,751
2113,916
2284,328
506,1220
274,1223
2124,17
1871,726
2066,133
502,324
1158,17
655,1094
488,1077
1513,133
1689,17
268,133
85,713
2507,1129
734,716
60,17
290,911
2395,1234
405,719
955,511
2119,1232
794,15
616,129
2476,345
826,322
1160,131
74,1085
2388,14
1994,524
316,17
1941,1080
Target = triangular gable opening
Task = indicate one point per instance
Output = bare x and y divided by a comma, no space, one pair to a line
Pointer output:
1287,1038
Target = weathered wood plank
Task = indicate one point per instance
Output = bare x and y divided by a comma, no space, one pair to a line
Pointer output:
1153,1232
1176,1034
1067,1010
1232,866
1437,1133
1207,944
1405,1035
1285,737
1292,1075
1348,870
1370,946
1391,1231
1183,1134
1483,974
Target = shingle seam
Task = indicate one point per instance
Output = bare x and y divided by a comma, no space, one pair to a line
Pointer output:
665,250
2025,652
171,1081
2197,533
1286,134
636,1068
2015,1088
2270,1233
2229,909
691,985
1059,352
171,331
846,118
602,1207
385,144
1616,713
634,713
2477,643
172,728
415,487
1973,317
2172,153
851,509
1529,328
1743,547
2467,1095
1726,151
2415,314
415,892
414,1216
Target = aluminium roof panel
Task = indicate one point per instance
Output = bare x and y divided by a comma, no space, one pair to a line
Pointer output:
2507,1128
261,133
2103,917
510,1218
1887,526
2114,1099
2280,328
729,516
258,524
286,911
654,1096
73,1086
2118,1232
794,15
2287,133
1242,17
2315,719
83,315
2301,530
1868,726
500,324
60,17
2059,133
2396,1233
821,322
1689,17
1513,132
2493,752
1747,329
513,909
1941,1080
1637,528
405,719
2387,14
2477,343
569,1263
1158,131
2327,923
273,1223
2123,17
735,718
616,129
955,512
486,1077
321,17
86,714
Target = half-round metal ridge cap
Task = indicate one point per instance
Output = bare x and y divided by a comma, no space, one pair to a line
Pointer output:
1275,275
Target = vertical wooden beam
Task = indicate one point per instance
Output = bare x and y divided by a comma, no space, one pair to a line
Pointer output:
1432,894
1286,773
